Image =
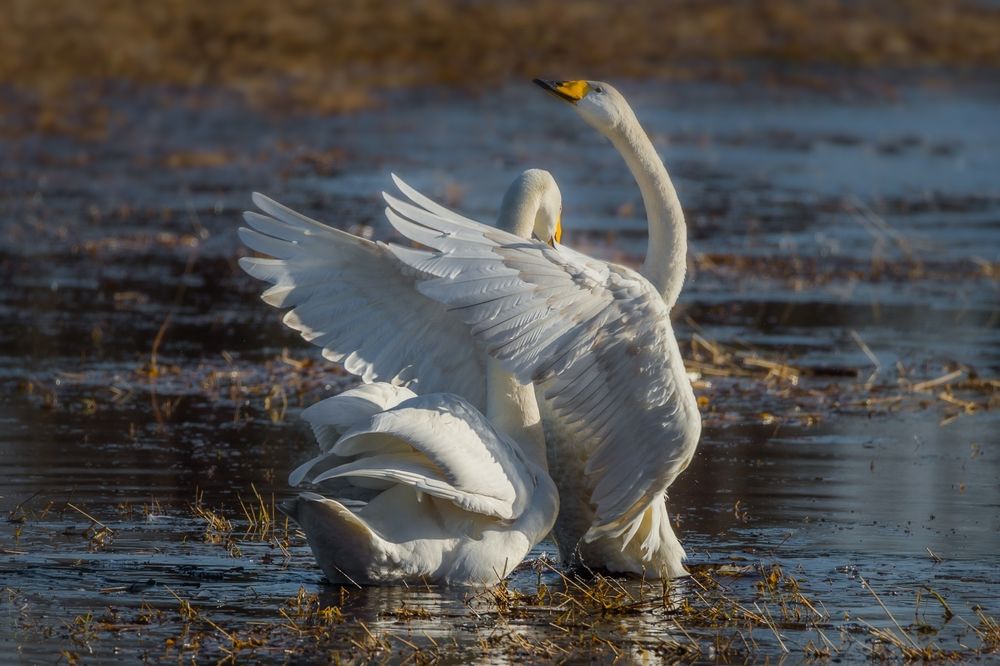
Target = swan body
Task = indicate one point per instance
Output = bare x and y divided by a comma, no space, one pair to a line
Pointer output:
620,417
461,497
460,502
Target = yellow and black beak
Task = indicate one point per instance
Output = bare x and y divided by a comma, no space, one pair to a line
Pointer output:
557,236
571,91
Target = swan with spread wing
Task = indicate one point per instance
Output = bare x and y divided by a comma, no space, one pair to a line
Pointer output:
461,498
620,417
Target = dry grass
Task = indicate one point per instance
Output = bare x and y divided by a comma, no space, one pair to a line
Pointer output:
98,534
710,616
258,522
707,619
337,56
732,380
808,395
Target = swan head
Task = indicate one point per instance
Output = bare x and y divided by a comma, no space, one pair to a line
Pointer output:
599,103
532,207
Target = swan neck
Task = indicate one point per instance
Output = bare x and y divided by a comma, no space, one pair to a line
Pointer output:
513,410
666,253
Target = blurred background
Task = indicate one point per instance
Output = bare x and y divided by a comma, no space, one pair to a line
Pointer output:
838,165
310,56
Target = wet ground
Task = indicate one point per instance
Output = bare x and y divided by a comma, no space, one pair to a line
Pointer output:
842,311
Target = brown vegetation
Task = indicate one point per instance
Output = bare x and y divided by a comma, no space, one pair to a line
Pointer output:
570,619
334,56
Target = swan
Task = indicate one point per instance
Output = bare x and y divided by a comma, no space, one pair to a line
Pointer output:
606,110
461,502
620,417
462,497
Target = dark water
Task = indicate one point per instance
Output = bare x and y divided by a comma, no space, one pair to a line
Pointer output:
820,223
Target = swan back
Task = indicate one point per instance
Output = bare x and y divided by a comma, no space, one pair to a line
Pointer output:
459,455
332,418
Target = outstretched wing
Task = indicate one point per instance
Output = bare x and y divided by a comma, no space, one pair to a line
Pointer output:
351,297
595,336
441,445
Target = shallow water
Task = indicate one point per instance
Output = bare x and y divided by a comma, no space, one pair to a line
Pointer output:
817,220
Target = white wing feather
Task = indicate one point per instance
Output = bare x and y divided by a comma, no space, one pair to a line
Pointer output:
352,298
596,337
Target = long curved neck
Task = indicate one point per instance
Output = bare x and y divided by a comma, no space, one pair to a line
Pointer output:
666,254
511,407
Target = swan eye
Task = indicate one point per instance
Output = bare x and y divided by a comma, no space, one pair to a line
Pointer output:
599,89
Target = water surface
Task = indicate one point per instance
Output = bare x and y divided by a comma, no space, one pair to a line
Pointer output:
853,238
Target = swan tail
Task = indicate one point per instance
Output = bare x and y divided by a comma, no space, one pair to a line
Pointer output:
646,545
343,544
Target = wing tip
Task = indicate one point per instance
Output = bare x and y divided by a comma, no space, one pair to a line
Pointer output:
394,202
260,200
400,185
247,235
253,218
246,263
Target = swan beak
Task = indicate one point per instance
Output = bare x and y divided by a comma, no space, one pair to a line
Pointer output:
557,236
571,91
